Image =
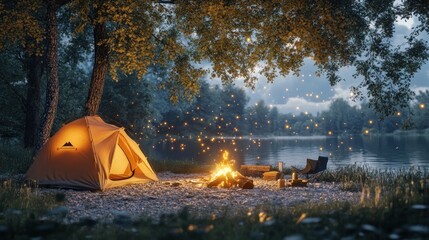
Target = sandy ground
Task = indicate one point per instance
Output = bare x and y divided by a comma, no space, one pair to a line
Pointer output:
175,191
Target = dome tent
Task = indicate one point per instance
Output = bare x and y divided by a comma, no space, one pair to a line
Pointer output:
89,153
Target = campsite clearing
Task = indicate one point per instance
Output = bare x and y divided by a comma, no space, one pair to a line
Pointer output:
175,191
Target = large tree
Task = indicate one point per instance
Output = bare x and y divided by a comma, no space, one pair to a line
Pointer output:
22,25
52,86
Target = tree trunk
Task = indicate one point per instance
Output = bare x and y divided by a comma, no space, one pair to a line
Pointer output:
34,66
52,89
101,62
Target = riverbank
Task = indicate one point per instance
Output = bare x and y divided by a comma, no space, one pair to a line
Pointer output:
176,191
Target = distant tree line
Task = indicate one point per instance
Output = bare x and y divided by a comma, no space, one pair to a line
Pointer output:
224,112
146,112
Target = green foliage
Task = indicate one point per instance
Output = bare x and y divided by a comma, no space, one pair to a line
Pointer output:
21,25
14,159
257,117
276,38
341,118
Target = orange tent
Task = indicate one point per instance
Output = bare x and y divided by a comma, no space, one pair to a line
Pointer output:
90,154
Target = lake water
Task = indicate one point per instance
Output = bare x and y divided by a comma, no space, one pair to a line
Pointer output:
381,152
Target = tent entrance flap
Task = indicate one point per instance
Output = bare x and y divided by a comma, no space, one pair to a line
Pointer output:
121,167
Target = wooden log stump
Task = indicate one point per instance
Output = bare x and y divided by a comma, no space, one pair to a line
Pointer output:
254,170
272,175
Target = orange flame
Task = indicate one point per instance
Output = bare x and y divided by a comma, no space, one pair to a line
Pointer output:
224,169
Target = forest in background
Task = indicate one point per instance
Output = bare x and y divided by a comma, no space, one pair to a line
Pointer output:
145,110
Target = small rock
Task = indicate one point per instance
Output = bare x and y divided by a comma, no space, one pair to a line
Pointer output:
369,228
311,220
294,237
420,229
419,207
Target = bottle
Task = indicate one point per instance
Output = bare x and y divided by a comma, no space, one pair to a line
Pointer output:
294,176
281,183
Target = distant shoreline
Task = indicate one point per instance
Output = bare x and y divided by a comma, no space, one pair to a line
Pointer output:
412,132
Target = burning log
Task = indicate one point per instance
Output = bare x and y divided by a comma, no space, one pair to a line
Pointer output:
224,176
217,181
228,181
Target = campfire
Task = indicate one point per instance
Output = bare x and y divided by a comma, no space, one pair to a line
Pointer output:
226,177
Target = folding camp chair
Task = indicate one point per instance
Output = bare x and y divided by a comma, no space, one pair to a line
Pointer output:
313,167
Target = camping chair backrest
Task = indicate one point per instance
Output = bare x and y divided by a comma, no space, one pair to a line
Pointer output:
311,166
321,165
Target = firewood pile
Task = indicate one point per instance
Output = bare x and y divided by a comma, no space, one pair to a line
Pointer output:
231,179
224,176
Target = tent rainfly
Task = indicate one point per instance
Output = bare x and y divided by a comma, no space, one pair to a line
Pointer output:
90,154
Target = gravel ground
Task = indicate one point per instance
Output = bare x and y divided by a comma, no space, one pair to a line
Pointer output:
175,191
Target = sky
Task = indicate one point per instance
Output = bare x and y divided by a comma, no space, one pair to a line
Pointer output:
312,94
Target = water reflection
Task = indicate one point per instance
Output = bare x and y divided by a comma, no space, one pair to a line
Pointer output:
373,151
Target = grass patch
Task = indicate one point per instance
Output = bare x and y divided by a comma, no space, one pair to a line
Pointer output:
14,159
22,210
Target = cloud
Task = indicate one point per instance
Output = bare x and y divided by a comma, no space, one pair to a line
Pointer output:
417,90
345,94
297,105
